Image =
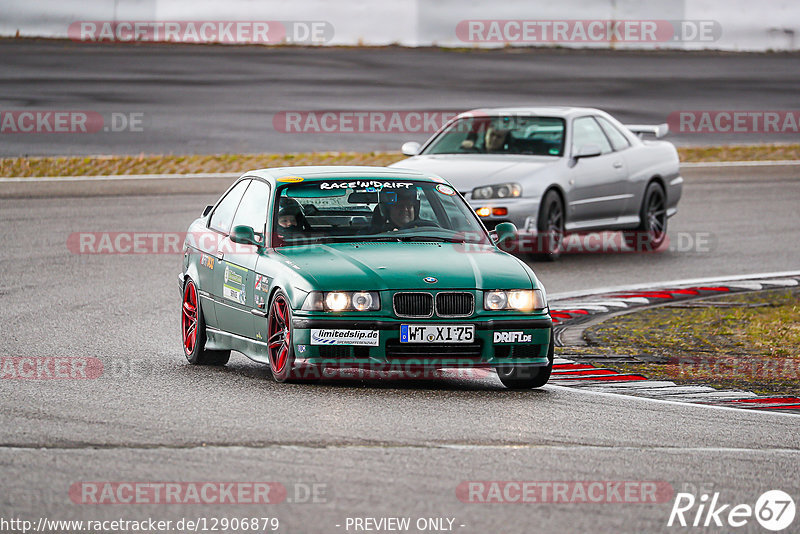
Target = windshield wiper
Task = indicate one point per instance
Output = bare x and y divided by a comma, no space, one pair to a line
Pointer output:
430,238
354,239
379,238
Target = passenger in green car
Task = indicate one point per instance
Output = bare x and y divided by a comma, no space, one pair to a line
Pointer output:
291,219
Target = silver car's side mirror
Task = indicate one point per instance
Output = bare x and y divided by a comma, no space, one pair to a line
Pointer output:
410,148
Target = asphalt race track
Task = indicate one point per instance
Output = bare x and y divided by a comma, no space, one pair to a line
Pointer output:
355,447
222,99
374,447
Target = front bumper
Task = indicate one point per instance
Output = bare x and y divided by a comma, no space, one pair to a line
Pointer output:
532,337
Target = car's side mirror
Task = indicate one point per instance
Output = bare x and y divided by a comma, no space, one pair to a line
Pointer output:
587,151
506,232
207,210
410,148
244,235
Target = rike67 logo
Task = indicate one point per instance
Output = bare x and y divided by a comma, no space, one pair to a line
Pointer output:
774,510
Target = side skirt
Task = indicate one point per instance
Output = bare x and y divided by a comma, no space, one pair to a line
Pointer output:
598,225
219,340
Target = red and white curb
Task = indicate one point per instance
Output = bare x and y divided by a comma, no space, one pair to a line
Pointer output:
573,310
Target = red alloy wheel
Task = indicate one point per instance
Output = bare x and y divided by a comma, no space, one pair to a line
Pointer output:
189,318
279,339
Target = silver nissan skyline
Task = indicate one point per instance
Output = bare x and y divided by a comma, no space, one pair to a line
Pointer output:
552,171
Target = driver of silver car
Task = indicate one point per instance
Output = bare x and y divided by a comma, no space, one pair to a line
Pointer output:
495,139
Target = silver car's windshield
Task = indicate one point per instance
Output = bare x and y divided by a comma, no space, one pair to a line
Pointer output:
508,134
367,209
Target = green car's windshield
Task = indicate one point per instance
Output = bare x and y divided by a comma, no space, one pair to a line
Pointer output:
367,209
536,136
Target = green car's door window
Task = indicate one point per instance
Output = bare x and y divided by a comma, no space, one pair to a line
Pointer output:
222,217
236,270
252,210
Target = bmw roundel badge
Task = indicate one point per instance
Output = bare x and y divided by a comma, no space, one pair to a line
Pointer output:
430,280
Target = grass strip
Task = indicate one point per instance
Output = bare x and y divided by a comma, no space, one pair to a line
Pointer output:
749,341
237,163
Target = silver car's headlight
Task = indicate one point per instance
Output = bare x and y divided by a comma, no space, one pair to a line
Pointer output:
337,301
517,299
509,190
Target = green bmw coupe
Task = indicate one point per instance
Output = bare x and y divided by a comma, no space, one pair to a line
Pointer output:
310,268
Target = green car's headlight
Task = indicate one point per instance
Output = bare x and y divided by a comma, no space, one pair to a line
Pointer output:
518,299
497,191
337,301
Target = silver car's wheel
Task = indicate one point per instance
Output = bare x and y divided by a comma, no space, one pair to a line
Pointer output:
652,229
550,238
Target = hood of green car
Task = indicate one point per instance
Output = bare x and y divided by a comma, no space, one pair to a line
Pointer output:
398,266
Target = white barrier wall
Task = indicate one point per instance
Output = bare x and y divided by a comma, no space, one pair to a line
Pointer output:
741,25
752,25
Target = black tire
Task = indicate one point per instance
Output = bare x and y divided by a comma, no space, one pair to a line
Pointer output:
193,322
550,228
652,230
521,377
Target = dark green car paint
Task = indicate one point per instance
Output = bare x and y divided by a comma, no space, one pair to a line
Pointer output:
386,267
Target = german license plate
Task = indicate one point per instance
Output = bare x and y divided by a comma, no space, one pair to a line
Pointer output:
431,333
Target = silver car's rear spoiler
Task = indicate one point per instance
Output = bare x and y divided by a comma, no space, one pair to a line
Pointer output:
659,130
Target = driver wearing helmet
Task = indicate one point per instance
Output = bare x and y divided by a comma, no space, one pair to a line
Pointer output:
397,209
